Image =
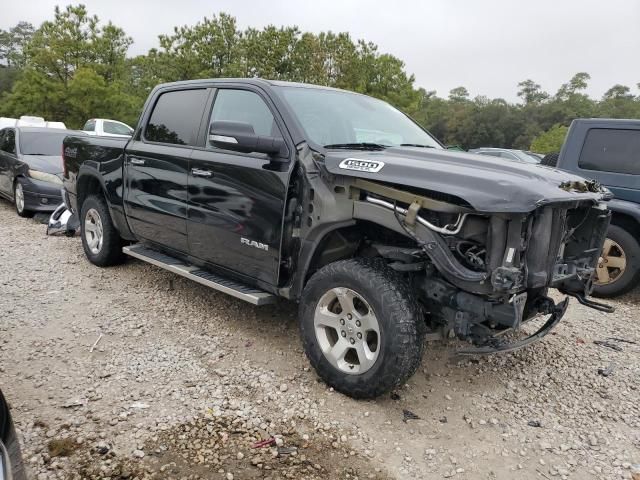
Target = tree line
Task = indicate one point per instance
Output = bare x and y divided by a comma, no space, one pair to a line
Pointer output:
74,67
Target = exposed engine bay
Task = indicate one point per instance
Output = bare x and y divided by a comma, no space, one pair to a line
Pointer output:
481,274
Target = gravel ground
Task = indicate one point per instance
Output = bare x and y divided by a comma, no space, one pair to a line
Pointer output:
185,381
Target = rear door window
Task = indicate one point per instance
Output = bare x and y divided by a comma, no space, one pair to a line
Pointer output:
611,150
176,117
90,126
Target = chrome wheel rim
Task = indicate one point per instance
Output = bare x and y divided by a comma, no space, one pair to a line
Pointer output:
93,234
612,263
19,194
347,331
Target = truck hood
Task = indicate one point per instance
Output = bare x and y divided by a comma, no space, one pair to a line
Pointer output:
488,184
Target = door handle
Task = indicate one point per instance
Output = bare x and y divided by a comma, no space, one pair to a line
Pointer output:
197,172
136,161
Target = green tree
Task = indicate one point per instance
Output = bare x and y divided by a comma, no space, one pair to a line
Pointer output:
13,43
73,67
550,141
531,92
458,94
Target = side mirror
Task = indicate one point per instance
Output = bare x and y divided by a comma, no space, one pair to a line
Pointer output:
240,137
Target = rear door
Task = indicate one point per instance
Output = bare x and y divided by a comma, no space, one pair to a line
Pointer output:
236,200
156,167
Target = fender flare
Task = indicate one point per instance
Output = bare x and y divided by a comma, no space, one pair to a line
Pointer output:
308,249
625,207
87,172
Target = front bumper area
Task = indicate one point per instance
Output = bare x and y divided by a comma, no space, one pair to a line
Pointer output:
41,196
497,344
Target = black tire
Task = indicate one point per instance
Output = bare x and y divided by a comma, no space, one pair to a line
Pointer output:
23,212
550,159
631,274
400,318
10,441
110,252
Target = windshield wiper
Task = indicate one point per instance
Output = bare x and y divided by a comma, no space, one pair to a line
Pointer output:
357,146
416,145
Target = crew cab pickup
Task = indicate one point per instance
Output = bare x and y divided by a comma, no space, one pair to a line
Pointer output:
608,150
338,201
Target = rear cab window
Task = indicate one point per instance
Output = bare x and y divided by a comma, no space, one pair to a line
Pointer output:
176,117
611,150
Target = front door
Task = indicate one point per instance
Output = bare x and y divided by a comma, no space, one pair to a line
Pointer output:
237,200
156,166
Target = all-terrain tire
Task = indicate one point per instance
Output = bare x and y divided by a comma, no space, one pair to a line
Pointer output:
400,318
110,250
631,275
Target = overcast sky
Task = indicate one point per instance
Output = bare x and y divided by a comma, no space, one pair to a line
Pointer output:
486,45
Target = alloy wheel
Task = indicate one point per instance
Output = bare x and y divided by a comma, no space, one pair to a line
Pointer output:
612,263
93,233
19,197
347,330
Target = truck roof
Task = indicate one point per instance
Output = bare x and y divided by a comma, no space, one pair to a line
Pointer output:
602,121
252,81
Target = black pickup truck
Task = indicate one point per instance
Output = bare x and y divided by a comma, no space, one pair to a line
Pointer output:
337,201
608,150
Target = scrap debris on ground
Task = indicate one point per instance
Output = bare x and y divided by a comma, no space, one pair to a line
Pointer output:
185,382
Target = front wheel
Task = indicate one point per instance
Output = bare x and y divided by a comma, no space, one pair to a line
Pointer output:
362,329
100,239
618,268
19,200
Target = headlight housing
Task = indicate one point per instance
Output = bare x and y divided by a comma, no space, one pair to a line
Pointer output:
45,177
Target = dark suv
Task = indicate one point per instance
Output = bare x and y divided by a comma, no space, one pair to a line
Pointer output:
608,151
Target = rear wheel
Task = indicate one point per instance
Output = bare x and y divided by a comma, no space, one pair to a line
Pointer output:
19,200
100,239
361,326
618,269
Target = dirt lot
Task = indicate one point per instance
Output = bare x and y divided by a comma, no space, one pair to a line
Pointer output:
184,381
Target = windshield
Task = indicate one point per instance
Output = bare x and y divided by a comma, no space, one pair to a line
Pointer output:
42,143
525,157
331,117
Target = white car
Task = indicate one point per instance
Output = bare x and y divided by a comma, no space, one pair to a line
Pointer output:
107,128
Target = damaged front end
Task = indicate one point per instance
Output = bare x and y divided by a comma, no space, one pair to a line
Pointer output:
480,275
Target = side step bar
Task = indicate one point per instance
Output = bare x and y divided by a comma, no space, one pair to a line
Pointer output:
211,280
